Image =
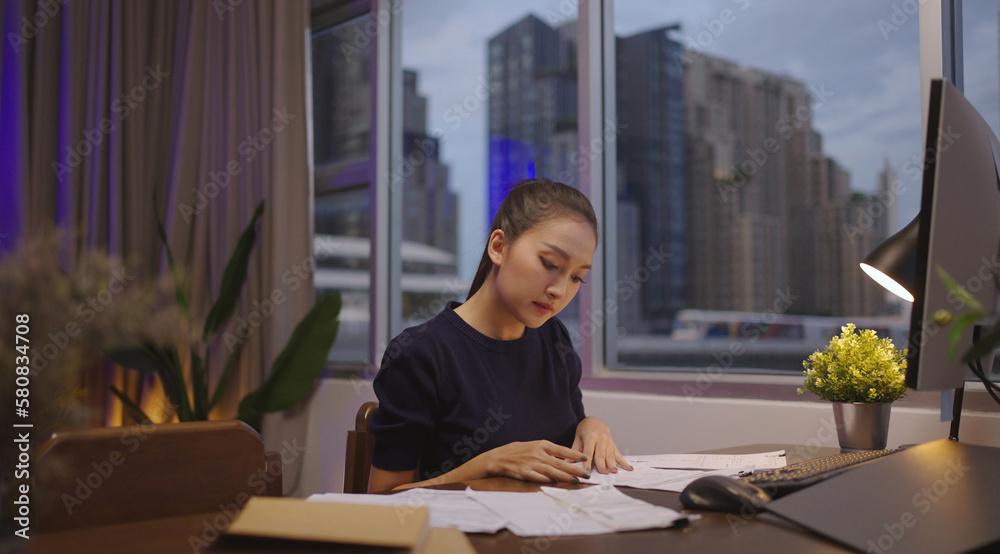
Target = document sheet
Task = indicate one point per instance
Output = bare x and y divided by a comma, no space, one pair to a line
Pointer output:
448,508
590,511
552,512
673,472
642,477
762,460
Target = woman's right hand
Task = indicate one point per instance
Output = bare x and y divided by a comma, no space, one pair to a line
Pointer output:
539,461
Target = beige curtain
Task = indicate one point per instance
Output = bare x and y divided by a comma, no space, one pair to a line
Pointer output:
202,104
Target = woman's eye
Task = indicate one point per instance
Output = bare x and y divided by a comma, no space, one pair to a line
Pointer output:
579,279
547,264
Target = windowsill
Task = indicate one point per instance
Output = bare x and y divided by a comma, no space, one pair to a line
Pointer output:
779,388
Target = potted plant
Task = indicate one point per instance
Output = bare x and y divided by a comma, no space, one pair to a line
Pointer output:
186,381
862,375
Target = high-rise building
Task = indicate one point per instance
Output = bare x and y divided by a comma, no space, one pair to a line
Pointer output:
342,143
887,191
430,211
651,175
532,105
771,215
748,136
533,132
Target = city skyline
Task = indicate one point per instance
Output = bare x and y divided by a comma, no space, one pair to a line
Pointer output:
445,41
719,166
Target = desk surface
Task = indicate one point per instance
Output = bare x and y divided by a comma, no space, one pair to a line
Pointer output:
714,532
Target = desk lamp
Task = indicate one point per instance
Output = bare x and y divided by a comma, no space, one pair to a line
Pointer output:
892,264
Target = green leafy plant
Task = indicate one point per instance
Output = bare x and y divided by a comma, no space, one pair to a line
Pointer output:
959,323
292,374
856,367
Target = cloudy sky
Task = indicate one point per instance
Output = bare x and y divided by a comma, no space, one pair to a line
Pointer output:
863,52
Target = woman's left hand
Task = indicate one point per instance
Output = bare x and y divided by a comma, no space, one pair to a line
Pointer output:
593,438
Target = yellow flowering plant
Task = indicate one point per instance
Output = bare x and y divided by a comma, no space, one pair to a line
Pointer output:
856,367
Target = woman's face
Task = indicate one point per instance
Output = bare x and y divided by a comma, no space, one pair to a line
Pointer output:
542,271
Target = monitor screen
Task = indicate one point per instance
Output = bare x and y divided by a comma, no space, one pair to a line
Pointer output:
959,231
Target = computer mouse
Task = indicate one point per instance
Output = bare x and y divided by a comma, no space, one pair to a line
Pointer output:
718,493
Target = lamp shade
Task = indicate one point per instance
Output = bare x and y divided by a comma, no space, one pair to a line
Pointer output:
893,263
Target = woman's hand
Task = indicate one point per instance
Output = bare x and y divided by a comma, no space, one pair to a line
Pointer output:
593,439
538,461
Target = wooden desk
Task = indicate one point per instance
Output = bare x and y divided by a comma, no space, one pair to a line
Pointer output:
714,532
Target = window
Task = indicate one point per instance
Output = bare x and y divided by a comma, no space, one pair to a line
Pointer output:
342,123
747,155
753,172
489,98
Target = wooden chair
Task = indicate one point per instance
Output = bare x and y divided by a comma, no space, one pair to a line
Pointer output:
113,475
360,443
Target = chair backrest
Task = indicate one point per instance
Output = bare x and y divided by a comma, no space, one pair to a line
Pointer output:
360,443
123,474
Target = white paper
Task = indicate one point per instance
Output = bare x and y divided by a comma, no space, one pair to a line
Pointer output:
533,514
762,460
448,508
614,509
645,477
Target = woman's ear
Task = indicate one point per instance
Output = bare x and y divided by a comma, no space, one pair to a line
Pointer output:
496,246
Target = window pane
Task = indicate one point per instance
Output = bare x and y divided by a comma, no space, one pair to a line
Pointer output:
764,153
341,72
489,99
981,58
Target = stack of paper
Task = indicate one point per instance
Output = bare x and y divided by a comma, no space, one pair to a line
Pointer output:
558,512
673,472
551,512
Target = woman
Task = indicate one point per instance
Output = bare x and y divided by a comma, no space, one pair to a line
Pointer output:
491,387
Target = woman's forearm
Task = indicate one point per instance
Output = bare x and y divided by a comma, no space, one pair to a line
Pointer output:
476,468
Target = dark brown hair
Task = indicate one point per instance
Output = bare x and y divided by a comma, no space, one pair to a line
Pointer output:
529,203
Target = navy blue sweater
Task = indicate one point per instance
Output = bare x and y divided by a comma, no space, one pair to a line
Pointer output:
448,393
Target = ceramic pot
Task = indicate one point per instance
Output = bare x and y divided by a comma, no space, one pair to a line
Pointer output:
862,426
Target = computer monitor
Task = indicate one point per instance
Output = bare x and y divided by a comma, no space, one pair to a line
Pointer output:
959,231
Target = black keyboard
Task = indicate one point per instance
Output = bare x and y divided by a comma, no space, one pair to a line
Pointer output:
788,479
